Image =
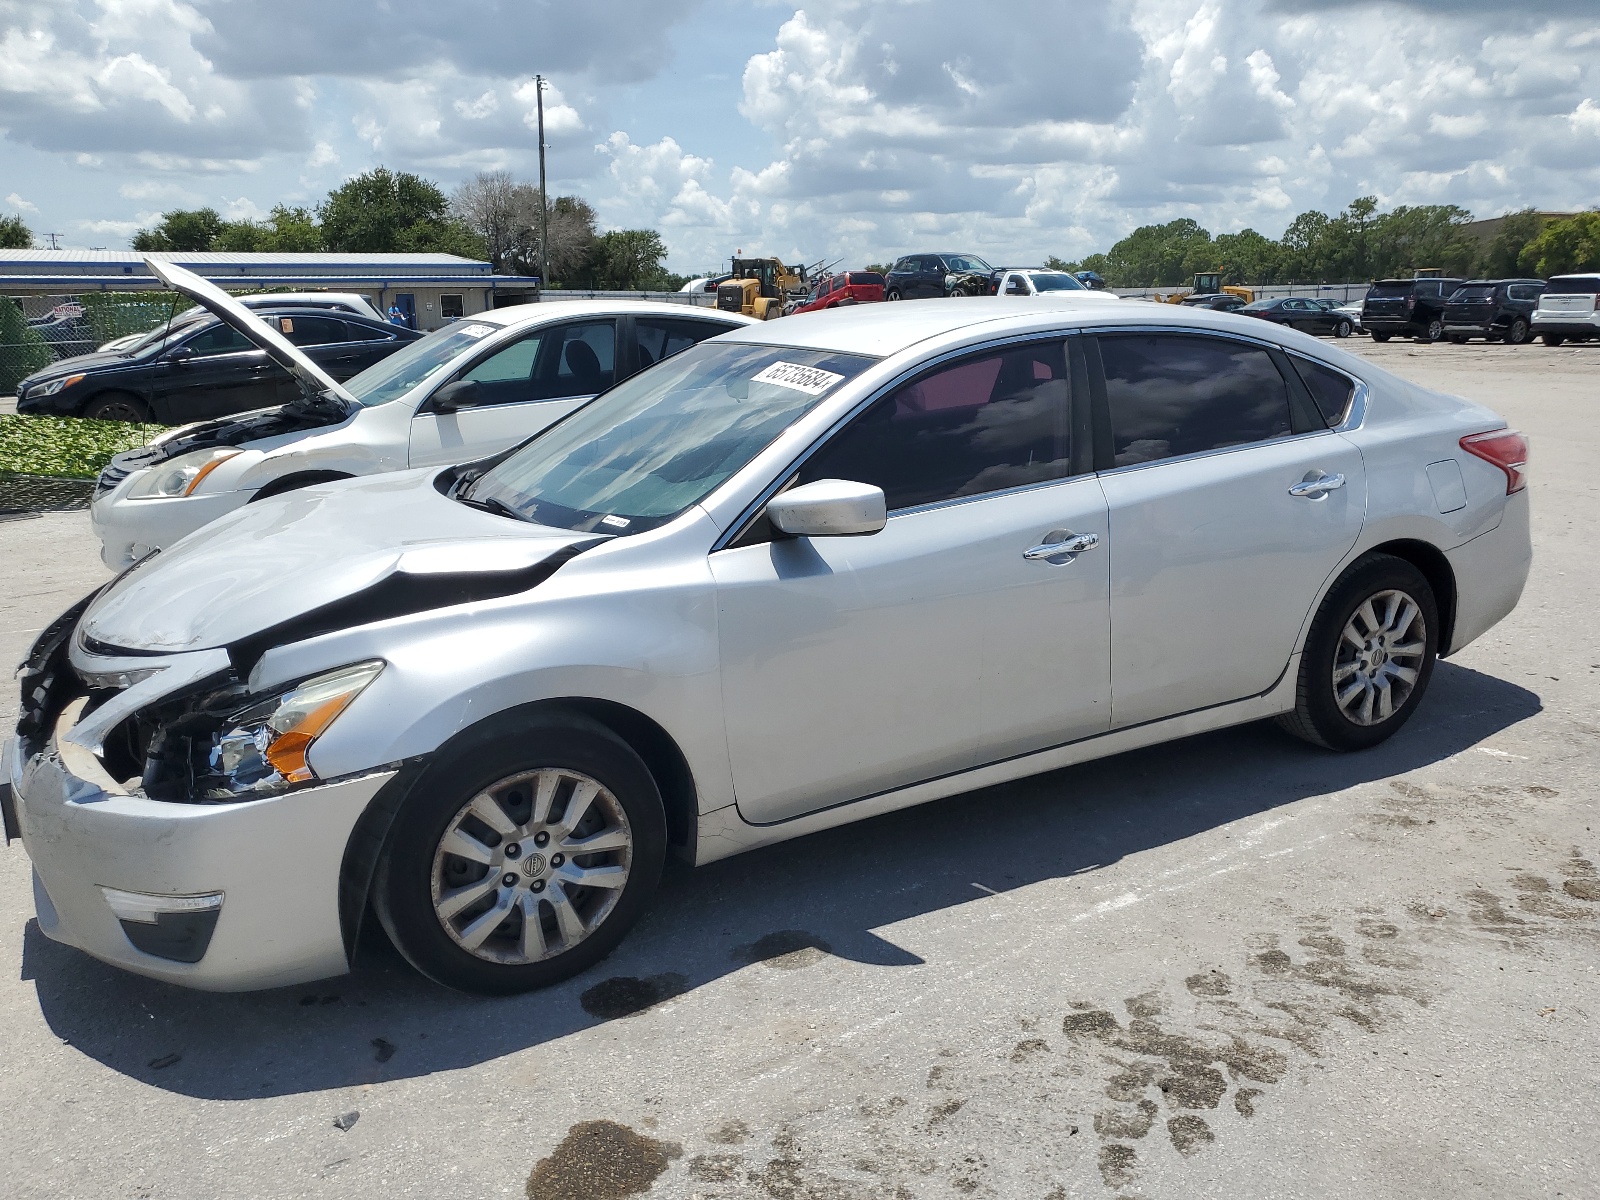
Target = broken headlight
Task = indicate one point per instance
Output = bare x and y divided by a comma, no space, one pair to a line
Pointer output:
262,749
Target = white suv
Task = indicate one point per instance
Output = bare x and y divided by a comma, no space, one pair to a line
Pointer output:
1569,310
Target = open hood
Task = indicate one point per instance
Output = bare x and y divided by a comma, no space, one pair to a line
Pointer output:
323,558
281,350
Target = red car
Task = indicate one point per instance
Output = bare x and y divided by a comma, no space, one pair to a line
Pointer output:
859,287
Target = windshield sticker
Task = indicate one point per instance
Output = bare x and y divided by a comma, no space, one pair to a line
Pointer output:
474,331
810,380
616,522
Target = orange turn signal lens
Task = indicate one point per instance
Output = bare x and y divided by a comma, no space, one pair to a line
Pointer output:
287,753
207,469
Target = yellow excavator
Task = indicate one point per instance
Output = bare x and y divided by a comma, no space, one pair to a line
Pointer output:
1209,283
760,287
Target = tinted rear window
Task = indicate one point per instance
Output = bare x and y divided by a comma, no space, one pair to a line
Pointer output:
867,277
1484,291
1330,389
1574,285
1388,291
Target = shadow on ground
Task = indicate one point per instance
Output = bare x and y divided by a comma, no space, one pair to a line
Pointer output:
386,1022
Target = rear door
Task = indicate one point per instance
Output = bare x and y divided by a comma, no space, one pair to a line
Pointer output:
1215,562
523,387
659,338
854,665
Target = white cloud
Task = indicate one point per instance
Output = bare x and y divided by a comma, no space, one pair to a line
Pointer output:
1586,117
17,204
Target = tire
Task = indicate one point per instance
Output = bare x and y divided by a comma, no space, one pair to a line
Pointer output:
118,406
1379,337
1383,586
504,766
1457,339
1342,329
1552,339
1517,335
892,294
1434,332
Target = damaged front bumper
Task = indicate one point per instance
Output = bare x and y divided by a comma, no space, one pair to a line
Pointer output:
223,897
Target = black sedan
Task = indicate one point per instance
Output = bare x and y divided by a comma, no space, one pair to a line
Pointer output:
1300,313
203,369
1216,301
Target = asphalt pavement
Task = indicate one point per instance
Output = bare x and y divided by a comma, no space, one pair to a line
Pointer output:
1233,966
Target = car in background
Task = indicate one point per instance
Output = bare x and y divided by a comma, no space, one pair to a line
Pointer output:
1091,280
845,287
1498,310
919,276
797,576
1216,301
205,368
1352,310
1300,312
65,329
469,390
1035,281
350,302
1569,309
1407,308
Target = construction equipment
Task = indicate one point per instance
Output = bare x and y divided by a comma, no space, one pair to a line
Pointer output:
1209,283
760,287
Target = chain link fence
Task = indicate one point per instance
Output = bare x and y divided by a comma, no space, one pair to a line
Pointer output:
35,331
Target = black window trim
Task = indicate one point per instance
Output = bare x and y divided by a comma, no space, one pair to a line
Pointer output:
1304,418
1081,458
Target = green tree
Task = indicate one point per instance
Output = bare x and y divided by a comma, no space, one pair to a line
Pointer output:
373,213
15,234
1498,257
181,229
1303,248
1247,257
1429,235
1061,264
626,259
1160,255
1564,247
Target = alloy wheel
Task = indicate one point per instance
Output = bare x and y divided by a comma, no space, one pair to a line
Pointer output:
531,866
1379,657
1435,330
1518,332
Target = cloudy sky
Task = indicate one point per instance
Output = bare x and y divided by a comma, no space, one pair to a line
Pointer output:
842,129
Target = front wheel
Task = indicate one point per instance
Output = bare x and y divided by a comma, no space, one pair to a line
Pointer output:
1434,331
892,294
1379,337
522,855
1369,656
1553,339
1518,333
1342,329
117,406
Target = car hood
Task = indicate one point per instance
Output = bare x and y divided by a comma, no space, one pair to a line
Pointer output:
281,350
332,556
77,364
308,412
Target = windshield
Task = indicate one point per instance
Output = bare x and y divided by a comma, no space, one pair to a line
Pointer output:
1052,282
1573,285
393,377
660,442
182,323
965,262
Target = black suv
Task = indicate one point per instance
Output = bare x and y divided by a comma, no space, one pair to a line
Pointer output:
1498,310
199,369
1408,307
919,275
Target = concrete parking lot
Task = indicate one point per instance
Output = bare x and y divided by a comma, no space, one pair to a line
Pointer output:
1233,966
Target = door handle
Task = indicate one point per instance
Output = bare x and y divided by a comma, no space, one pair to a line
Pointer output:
1316,486
1061,542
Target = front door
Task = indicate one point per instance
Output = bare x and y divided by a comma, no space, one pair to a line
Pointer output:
1215,562
523,387
407,303
851,666
216,372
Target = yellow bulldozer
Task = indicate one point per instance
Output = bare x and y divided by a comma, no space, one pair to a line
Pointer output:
1209,283
760,287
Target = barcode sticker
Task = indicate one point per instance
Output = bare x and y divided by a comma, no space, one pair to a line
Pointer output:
813,381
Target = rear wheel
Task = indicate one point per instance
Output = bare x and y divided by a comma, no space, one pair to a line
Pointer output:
117,406
1553,339
1369,656
1433,332
1518,333
522,856
892,294
1458,339
1379,337
1342,329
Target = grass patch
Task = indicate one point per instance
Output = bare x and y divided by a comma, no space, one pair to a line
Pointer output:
65,446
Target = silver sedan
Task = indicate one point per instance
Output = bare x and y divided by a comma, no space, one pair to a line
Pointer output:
795,576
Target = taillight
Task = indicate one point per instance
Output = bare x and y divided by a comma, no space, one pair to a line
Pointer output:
1411,302
1506,450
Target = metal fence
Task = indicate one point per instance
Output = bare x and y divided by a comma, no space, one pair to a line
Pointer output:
700,299
1344,293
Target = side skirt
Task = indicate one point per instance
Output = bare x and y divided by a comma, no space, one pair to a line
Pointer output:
724,833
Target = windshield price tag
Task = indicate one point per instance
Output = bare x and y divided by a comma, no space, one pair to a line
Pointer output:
810,380
474,331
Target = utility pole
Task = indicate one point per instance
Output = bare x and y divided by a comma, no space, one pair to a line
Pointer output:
53,237
544,200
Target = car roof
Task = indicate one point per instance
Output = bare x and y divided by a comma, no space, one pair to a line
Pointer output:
548,310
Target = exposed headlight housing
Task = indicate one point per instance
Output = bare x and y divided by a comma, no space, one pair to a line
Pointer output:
51,387
179,476
262,749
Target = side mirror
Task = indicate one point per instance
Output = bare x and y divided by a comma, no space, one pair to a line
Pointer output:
829,508
463,393
180,355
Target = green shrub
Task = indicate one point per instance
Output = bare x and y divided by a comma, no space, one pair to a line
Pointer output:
22,350
65,446
113,314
